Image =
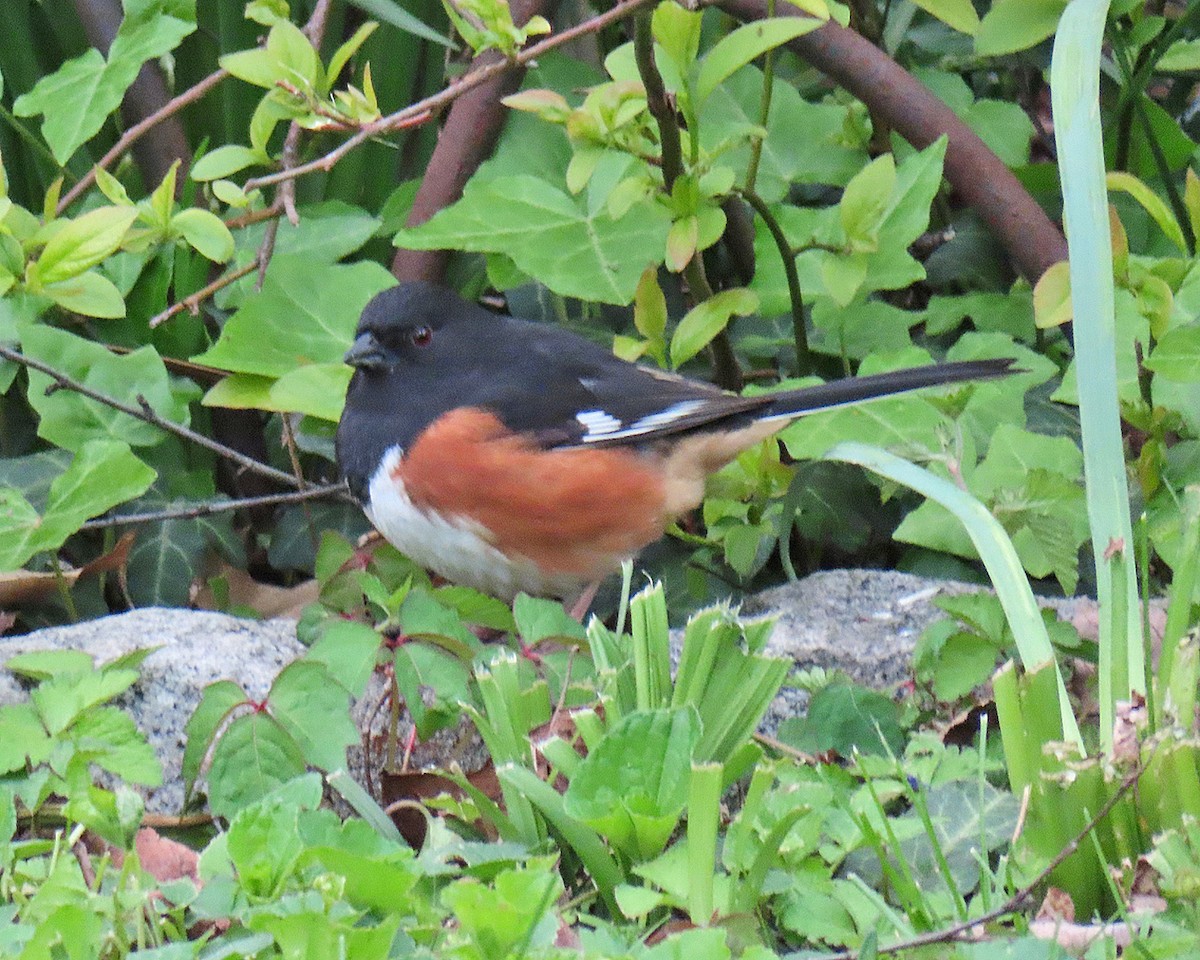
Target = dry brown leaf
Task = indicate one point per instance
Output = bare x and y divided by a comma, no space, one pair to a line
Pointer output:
18,587
265,599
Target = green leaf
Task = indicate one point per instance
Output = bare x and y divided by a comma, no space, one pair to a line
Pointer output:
205,233
216,702
264,845
867,200
540,619
225,161
963,663
82,243
959,14
254,756
287,58
102,474
1152,203
677,31
748,41
89,294
69,419
1012,25
650,307
305,313
349,651
168,557
316,390
843,718
818,143
315,711
707,319
1176,356
76,99
393,13
551,235
61,700
511,916
632,787
343,53
1182,56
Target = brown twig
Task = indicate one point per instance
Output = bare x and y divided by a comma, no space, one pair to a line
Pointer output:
421,111
467,137
192,303
218,506
252,217
147,414
138,130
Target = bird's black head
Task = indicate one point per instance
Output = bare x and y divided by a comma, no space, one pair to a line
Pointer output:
409,340
401,326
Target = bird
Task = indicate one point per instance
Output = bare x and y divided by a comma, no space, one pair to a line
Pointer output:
518,457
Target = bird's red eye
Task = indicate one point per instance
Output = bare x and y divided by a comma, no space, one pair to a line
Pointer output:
422,336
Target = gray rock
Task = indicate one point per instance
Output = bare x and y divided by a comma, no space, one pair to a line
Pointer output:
863,622
195,648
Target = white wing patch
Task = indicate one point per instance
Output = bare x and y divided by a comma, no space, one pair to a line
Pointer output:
598,424
602,425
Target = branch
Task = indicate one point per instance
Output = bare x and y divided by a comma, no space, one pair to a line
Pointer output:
467,138
799,331
192,303
140,129
146,414
218,506
424,109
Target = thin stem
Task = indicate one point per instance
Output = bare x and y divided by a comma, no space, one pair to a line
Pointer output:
1138,109
955,931
657,102
423,110
192,303
139,129
146,414
217,506
764,111
799,330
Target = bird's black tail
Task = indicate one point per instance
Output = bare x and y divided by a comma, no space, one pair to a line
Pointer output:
837,393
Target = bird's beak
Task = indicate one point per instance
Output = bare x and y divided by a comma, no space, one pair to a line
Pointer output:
366,353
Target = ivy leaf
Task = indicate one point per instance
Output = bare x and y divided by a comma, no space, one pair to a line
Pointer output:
69,420
316,390
77,98
551,235
168,557
305,313
102,474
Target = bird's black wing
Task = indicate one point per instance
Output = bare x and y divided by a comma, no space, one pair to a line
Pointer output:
586,396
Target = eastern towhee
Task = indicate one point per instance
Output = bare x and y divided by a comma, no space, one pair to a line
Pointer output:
513,456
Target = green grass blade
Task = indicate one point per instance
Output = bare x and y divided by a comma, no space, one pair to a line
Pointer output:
995,550
1075,86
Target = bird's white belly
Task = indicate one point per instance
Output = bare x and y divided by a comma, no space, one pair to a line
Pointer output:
454,547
